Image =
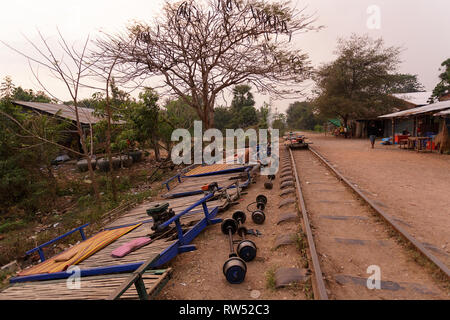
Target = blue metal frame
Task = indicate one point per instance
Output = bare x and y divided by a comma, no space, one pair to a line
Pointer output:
219,172
181,175
39,248
180,246
178,175
194,192
147,221
166,183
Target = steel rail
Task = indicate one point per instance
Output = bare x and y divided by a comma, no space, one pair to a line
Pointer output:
320,285
419,246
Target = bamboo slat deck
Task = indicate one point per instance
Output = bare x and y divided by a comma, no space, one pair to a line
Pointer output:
91,288
211,168
139,214
192,184
79,252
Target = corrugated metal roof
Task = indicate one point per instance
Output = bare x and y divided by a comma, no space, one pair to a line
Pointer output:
85,114
438,106
416,98
443,113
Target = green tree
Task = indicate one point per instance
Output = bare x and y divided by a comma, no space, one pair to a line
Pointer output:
7,88
443,87
247,117
242,108
404,83
26,178
143,118
8,91
300,115
263,116
357,83
179,114
242,97
279,122
223,118
176,114
29,95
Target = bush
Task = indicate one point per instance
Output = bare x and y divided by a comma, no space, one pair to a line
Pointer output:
25,182
318,128
124,184
11,225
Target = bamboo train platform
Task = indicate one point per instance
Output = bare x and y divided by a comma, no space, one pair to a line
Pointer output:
191,180
140,274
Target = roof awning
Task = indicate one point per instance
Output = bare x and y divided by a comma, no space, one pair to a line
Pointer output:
438,106
336,122
416,98
443,113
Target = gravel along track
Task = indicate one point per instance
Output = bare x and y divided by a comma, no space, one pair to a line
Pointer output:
354,244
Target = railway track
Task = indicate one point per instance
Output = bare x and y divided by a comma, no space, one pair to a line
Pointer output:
353,243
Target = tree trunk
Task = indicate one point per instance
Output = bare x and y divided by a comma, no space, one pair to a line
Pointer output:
94,182
156,148
108,151
345,126
88,159
208,119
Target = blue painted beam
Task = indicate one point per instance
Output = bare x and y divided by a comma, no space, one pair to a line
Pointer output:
39,248
129,267
178,216
218,172
186,248
166,183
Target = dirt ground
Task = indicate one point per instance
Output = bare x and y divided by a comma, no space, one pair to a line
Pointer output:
410,186
198,274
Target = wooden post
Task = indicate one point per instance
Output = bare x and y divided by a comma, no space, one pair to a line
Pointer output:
415,126
140,288
393,131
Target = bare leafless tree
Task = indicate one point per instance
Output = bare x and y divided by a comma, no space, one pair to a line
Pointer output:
201,48
67,64
104,70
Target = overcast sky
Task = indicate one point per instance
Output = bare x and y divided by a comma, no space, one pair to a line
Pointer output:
420,27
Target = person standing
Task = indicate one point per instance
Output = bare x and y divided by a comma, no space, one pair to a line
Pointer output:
372,131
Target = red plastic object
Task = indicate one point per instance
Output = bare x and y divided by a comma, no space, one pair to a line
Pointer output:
433,146
399,137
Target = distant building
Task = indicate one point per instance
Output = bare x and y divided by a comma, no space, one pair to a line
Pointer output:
86,115
413,100
386,125
64,112
424,119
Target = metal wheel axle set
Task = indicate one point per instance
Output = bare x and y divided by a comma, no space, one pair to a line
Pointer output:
235,268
